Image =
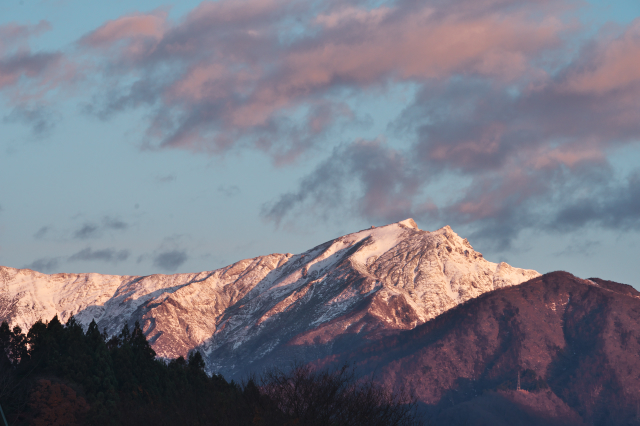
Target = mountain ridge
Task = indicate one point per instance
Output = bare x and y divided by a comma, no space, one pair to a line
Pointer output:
577,340
362,286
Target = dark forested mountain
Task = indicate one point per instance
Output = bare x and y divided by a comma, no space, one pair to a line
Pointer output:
573,345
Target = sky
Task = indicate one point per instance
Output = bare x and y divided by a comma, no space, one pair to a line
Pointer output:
146,137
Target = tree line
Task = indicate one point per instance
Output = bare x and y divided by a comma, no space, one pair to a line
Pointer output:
60,374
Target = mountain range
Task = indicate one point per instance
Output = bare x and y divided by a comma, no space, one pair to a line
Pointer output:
272,308
420,310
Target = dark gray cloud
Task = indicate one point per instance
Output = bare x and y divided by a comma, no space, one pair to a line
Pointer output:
580,248
88,230
471,126
229,190
139,94
613,206
114,223
170,260
105,255
385,185
366,178
42,232
44,264
95,230
40,119
165,178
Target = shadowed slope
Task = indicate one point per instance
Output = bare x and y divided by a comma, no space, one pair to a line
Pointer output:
579,338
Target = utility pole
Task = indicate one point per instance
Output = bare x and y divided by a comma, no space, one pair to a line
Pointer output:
518,380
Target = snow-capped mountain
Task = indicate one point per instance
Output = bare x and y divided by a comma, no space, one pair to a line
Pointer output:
277,307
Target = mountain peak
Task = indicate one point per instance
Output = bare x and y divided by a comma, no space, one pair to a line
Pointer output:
364,284
410,223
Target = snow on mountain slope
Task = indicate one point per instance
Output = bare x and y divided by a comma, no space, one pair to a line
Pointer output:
275,307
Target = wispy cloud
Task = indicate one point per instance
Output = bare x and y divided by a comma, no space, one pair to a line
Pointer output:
366,178
51,264
580,248
42,232
95,230
39,118
166,178
229,190
104,255
44,264
27,76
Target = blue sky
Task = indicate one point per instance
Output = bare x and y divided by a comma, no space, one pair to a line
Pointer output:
147,137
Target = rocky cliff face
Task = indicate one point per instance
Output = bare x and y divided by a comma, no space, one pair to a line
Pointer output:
273,308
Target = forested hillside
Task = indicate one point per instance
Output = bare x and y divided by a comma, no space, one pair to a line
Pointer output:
61,375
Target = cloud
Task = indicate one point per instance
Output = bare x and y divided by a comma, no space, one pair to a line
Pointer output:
170,260
516,114
42,232
165,178
105,255
366,178
233,73
45,264
50,264
41,119
113,223
15,35
609,65
580,248
88,230
528,155
229,190
133,27
95,230
27,76
548,192
26,64
609,206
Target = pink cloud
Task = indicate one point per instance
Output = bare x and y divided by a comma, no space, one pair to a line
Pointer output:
570,155
28,65
16,36
232,72
506,101
128,27
26,75
532,153
611,65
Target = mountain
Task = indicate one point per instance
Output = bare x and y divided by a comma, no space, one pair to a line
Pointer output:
574,343
341,294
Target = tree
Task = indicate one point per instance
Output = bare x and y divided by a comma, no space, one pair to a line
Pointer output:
335,397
